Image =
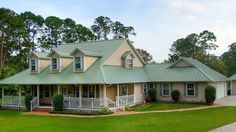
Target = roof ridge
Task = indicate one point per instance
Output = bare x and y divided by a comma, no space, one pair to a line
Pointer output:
92,41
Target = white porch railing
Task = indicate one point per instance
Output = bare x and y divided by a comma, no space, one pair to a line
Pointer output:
10,100
90,103
34,103
125,100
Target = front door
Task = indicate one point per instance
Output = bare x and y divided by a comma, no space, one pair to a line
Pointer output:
45,95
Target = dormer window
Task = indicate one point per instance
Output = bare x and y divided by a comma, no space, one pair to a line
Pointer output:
55,64
129,63
33,65
78,62
128,59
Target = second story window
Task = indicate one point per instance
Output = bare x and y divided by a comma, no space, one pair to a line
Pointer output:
129,63
33,65
78,63
55,64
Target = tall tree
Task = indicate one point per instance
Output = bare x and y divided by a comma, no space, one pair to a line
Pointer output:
147,57
229,59
33,26
121,31
53,32
102,27
11,34
194,46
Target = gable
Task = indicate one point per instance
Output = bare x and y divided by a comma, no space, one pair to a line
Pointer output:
182,63
116,58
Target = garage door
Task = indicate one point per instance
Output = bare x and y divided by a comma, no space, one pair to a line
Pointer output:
220,90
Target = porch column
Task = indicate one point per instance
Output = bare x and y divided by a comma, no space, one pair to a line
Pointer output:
104,94
95,91
38,94
134,93
58,89
19,96
80,93
118,94
2,95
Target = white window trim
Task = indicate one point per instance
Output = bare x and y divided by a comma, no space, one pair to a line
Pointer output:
126,89
58,64
36,65
162,90
127,63
145,87
194,88
81,61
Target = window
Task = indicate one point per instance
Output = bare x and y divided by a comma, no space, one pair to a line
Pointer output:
33,65
190,89
166,89
145,88
46,92
55,63
78,63
129,63
123,90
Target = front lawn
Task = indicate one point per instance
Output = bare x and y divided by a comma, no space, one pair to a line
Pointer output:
165,106
197,120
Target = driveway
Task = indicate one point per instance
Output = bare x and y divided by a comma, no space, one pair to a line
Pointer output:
227,128
227,101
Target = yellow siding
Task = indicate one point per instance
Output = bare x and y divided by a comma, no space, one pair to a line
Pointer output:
111,92
116,59
233,87
88,61
182,64
139,97
180,87
65,62
43,63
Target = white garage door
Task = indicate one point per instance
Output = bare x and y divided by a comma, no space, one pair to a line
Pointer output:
220,90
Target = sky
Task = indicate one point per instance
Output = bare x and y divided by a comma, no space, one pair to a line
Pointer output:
158,23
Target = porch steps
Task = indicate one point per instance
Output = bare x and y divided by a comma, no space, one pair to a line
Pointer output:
42,109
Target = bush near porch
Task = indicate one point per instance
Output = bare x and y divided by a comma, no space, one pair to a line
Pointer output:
154,106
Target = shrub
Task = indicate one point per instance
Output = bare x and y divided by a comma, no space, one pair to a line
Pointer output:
127,108
152,94
210,94
105,109
58,102
175,95
28,99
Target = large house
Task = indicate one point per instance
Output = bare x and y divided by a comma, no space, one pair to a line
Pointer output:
110,73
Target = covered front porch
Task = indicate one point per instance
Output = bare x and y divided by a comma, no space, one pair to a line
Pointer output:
82,96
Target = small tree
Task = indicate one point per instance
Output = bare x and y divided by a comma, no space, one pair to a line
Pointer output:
152,94
57,102
28,99
210,94
175,95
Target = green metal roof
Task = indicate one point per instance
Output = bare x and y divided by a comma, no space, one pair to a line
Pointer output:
99,73
40,54
168,73
233,77
118,74
210,73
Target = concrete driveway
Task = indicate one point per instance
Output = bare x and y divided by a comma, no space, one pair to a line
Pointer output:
227,101
227,128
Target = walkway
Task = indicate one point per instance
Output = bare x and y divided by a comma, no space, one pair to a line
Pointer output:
227,101
122,112
227,128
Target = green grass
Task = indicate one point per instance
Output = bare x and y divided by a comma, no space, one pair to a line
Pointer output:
165,106
198,120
